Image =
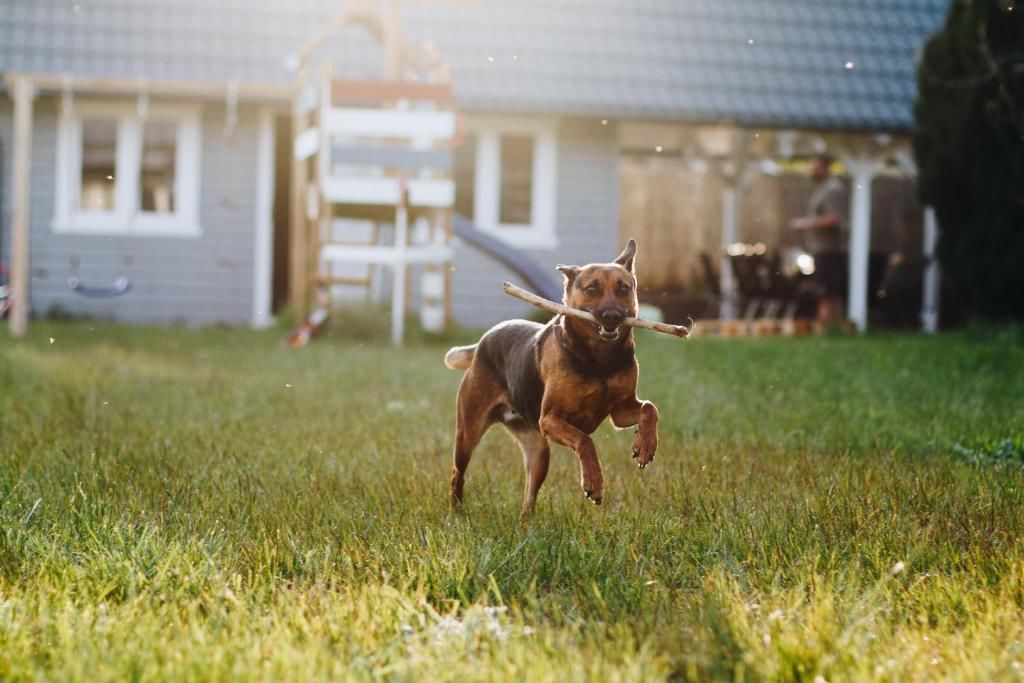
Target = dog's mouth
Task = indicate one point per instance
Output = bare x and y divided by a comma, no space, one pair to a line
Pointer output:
608,335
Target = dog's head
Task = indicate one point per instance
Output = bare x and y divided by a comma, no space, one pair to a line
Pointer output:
606,290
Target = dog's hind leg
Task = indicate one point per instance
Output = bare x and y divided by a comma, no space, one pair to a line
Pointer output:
536,458
479,393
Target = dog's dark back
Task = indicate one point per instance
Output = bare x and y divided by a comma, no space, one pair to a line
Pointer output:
510,351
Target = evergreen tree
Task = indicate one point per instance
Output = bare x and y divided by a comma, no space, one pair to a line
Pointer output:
969,145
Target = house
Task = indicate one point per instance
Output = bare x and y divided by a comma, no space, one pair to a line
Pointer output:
160,131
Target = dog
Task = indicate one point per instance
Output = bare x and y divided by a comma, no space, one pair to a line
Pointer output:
557,382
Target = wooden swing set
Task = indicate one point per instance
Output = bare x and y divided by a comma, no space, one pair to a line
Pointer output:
379,152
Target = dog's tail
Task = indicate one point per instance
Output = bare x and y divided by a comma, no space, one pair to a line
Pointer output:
459,357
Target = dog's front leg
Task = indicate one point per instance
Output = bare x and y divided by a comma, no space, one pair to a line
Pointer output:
644,414
558,430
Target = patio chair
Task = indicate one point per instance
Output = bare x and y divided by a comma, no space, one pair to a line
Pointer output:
786,291
744,268
713,293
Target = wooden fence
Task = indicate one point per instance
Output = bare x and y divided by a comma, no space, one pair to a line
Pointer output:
674,212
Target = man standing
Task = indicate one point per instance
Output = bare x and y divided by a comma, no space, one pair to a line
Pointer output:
823,233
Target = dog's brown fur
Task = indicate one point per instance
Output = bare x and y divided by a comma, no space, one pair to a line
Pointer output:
557,381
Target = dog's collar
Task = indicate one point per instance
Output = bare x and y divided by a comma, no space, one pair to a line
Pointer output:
584,361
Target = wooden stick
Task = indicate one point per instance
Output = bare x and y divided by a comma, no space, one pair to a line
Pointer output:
681,331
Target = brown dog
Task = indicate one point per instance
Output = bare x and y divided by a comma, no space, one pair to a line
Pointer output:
557,381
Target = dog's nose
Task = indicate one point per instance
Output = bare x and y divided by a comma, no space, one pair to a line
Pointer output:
612,318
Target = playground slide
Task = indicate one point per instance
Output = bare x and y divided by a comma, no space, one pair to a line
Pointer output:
536,278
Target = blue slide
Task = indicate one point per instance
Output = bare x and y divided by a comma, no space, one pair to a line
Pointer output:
539,279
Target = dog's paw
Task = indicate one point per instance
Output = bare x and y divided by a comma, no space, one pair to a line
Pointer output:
593,487
645,444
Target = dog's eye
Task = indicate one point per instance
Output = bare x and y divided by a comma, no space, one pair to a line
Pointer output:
592,289
623,290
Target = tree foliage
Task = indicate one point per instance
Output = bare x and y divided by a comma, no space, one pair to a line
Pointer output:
969,145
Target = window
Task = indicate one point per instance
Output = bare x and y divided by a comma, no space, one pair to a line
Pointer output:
513,182
462,172
156,168
516,180
122,173
99,164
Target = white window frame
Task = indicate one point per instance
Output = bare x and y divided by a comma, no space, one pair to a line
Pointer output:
541,231
127,218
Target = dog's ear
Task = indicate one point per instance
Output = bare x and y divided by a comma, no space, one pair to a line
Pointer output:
570,272
627,259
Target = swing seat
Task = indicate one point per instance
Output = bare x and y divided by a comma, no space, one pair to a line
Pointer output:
120,286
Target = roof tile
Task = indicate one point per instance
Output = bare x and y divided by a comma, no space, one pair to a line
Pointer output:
681,59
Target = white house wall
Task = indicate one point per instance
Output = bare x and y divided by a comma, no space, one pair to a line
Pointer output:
587,225
200,280
209,279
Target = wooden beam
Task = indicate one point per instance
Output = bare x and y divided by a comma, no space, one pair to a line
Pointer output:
297,223
320,228
23,93
382,19
357,11
449,316
391,37
374,92
208,90
352,281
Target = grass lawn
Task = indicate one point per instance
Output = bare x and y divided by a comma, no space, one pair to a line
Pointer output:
203,504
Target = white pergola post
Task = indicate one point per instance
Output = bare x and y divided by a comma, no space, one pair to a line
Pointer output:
731,150
863,172
930,289
398,272
730,234
263,256
24,94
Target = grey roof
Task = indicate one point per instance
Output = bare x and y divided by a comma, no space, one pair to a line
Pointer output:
841,64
